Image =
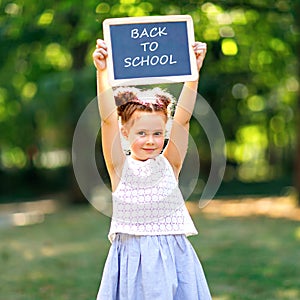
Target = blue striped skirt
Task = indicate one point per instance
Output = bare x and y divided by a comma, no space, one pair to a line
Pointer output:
163,267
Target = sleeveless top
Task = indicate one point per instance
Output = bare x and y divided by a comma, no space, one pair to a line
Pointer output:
148,201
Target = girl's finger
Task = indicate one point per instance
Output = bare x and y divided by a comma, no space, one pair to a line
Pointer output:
103,51
100,53
100,44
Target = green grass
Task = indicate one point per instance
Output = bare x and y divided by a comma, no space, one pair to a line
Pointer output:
62,258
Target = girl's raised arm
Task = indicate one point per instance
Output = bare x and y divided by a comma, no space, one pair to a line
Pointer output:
177,147
111,141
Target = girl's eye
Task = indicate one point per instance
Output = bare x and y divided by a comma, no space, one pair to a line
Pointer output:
158,133
142,133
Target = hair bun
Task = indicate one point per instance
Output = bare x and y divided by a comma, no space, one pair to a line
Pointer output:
163,100
124,95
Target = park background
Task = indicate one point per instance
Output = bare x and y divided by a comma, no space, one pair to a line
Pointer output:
248,237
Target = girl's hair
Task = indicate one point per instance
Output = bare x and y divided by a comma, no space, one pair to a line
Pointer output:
129,100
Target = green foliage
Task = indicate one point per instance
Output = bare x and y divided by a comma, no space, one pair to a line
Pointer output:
250,76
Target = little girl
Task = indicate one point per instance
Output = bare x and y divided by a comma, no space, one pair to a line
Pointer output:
150,257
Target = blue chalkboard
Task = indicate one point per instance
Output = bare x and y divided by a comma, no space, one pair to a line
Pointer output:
150,49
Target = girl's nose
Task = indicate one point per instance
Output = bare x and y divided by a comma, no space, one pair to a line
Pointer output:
150,139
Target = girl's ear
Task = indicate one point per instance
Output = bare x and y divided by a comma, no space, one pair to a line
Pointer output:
124,132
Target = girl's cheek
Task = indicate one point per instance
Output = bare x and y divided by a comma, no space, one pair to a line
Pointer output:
161,141
137,140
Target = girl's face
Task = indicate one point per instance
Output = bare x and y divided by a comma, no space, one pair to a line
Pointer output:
146,133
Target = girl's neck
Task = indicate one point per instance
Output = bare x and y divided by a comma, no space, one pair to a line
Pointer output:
132,156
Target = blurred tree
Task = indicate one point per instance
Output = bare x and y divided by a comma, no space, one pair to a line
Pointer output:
296,11
47,78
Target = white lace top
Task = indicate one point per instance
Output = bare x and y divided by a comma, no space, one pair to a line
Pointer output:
148,201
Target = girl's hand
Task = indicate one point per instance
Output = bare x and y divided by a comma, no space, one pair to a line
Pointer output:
200,52
100,55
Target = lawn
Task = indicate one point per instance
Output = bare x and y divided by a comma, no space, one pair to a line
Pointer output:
62,258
